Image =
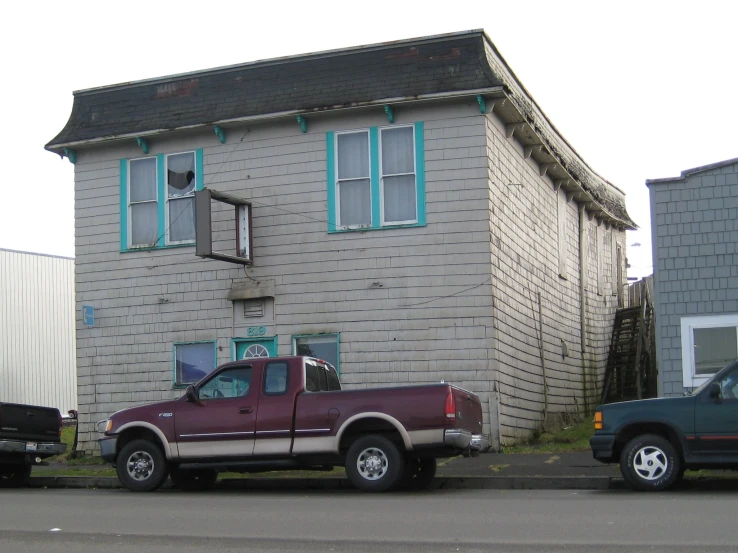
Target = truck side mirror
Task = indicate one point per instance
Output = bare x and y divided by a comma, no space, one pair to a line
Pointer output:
191,394
714,391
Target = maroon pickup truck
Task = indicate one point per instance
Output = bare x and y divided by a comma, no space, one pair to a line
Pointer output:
287,413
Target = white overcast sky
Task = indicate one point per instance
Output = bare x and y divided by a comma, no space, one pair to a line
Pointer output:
641,89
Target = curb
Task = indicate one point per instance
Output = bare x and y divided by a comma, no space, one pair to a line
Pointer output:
328,483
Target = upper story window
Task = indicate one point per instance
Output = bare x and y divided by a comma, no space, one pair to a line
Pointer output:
157,200
376,178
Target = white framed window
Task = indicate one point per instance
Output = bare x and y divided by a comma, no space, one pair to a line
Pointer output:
353,186
180,209
376,178
397,176
157,200
708,344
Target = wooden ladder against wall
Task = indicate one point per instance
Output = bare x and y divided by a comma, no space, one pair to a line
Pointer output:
630,372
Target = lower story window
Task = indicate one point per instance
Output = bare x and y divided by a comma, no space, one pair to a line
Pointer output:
320,346
708,344
193,361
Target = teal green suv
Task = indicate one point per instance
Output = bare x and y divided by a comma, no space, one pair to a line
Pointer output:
656,440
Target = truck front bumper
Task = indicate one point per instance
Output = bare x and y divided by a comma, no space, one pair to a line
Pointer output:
108,448
602,447
31,448
466,441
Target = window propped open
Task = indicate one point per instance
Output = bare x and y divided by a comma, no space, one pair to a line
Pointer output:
204,227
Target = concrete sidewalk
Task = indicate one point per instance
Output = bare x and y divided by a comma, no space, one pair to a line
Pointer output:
563,471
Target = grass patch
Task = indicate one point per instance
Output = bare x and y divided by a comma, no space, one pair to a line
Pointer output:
569,439
101,472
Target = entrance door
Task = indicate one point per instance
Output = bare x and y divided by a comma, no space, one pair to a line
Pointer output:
255,348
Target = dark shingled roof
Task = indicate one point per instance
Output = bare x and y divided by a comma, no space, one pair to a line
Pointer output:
455,64
451,63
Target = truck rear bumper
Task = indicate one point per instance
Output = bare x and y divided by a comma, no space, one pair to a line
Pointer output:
465,440
34,449
602,447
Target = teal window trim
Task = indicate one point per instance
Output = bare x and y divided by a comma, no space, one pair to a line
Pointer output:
236,341
330,154
161,211
161,163
337,335
374,175
374,178
174,359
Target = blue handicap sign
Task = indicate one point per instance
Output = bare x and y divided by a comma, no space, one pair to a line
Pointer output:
88,315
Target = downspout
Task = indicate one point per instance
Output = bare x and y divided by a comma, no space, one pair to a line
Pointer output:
583,299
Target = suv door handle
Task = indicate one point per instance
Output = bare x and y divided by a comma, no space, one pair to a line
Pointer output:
245,410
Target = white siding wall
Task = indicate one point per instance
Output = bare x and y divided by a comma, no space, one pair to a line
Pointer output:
37,360
429,320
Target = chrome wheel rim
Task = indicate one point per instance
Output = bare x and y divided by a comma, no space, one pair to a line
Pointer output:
140,466
372,463
650,463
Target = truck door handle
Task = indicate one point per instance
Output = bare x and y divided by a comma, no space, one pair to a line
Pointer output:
245,410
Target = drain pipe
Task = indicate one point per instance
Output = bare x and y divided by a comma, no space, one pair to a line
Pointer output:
582,298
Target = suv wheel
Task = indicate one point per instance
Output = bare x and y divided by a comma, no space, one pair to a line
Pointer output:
15,476
141,466
650,463
374,464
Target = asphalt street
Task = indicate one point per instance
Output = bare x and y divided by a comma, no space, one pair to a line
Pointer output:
44,520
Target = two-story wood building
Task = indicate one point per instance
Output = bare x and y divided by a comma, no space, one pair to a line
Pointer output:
414,217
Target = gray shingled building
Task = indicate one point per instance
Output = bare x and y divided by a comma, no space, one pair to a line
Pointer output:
414,217
694,231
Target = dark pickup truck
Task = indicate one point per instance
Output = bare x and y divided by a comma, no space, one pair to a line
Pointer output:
656,440
287,413
28,434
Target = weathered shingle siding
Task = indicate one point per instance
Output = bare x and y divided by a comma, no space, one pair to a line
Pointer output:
694,236
524,254
431,319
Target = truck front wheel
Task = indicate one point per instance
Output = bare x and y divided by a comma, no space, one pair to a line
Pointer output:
649,462
141,466
374,464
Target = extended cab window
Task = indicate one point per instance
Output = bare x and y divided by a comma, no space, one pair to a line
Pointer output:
275,378
333,382
230,383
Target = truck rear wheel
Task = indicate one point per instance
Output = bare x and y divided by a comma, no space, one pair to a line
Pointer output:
141,466
418,475
193,480
374,464
14,476
650,463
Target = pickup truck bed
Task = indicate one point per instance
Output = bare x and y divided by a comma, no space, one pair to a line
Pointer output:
28,434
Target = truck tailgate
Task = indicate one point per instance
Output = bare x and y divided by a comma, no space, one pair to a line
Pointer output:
29,423
468,410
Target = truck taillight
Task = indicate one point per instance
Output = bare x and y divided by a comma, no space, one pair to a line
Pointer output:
60,423
598,421
450,405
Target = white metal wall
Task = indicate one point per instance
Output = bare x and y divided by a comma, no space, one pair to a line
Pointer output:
37,347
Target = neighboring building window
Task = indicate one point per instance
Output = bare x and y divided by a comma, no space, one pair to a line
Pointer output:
193,361
157,200
376,178
321,346
708,344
